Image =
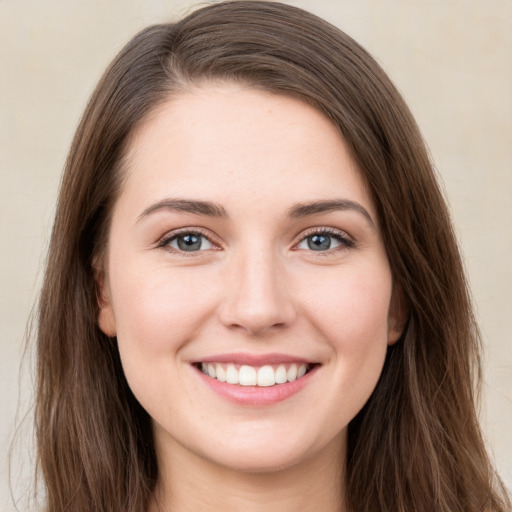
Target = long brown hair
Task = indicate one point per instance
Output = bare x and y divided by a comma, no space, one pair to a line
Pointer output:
416,444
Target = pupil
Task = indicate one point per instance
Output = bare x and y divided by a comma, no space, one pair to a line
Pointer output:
319,242
189,242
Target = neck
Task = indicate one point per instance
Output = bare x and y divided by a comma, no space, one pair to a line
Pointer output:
188,483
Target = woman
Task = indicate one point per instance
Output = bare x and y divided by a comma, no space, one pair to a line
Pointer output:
265,306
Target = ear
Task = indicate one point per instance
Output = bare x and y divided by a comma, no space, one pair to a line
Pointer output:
398,315
106,319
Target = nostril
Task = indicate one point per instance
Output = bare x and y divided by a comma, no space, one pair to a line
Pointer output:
258,322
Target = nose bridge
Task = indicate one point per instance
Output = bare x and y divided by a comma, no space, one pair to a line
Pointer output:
258,298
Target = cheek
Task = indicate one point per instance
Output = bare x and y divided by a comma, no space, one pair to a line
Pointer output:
359,338
156,307
156,312
351,314
352,305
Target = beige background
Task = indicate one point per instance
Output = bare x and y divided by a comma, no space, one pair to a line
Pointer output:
452,59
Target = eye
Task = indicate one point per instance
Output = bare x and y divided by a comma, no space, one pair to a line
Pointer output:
188,241
325,240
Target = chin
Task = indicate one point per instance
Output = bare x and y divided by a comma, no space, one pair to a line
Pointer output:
275,454
260,462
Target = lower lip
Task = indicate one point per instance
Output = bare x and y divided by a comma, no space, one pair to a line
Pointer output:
256,395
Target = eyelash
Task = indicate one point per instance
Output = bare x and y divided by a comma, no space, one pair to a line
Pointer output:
167,239
346,242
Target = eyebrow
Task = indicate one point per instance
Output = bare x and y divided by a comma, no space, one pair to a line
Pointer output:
330,205
211,209
186,205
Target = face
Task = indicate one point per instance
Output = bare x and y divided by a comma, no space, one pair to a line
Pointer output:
246,280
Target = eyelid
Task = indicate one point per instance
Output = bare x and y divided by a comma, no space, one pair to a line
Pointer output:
169,236
339,234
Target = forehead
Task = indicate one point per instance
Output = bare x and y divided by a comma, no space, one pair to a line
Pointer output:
221,141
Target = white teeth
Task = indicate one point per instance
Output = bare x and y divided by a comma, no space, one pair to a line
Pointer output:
281,376
266,376
221,373
246,375
291,374
232,374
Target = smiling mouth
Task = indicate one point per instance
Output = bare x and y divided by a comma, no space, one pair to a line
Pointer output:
262,376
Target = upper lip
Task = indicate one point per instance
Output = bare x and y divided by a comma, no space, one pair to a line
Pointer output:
253,359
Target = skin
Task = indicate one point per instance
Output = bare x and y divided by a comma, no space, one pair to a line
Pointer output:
255,288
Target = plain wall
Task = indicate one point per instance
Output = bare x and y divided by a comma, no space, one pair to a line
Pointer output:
452,60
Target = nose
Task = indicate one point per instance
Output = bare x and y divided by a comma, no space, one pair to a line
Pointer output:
257,300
